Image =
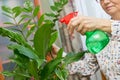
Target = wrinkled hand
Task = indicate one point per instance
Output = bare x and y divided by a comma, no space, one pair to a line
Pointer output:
84,23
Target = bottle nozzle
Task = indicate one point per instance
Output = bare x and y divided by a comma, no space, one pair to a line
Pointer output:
62,20
66,19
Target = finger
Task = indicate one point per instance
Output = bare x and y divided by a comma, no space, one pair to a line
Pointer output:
71,30
83,31
80,26
84,24
73,22
87,27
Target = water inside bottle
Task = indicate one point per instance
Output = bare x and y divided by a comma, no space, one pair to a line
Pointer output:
95,47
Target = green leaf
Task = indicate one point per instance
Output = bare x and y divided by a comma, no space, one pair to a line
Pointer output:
20,59
42,39
65,73
7,73
72,57
57,4
26,10
54,8
36,11
59,10
25,25
10,23
41,19
33,69
20,21
17,11
53,38
21,74
55,20
60,4
48,21
14,36
29,32
59,74
25,16
49,68
8,15
63,2
18,62
7,9
50,14
23,50
28,6
59,54
26,52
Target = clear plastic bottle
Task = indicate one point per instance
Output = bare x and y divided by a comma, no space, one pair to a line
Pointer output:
95,40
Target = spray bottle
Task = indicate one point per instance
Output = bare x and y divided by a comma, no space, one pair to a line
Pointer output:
95,40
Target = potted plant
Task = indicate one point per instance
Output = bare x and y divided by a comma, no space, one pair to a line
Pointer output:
32,41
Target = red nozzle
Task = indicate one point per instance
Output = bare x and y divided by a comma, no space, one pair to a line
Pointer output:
66,19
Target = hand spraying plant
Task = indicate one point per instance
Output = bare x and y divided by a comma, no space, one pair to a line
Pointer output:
95,40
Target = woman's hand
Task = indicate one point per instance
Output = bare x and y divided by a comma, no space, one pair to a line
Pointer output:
84,23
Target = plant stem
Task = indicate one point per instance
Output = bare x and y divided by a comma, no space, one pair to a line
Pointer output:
18,25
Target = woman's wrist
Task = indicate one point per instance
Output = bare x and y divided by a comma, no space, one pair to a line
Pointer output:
105,25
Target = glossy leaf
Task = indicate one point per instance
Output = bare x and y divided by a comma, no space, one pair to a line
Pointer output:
14,36
59,74
7,73
41,19
36,11
26,52
65,73
63,2
49,68
57,4
25,25
20,59
53,38
72,57
26,16
42,39
50,14
29,32
33,70
54,8
17,11
7,9
10,23
60,53
28,6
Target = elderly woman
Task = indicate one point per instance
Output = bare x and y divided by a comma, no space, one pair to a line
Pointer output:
108,60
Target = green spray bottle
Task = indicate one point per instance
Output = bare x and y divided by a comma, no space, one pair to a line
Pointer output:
95,40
